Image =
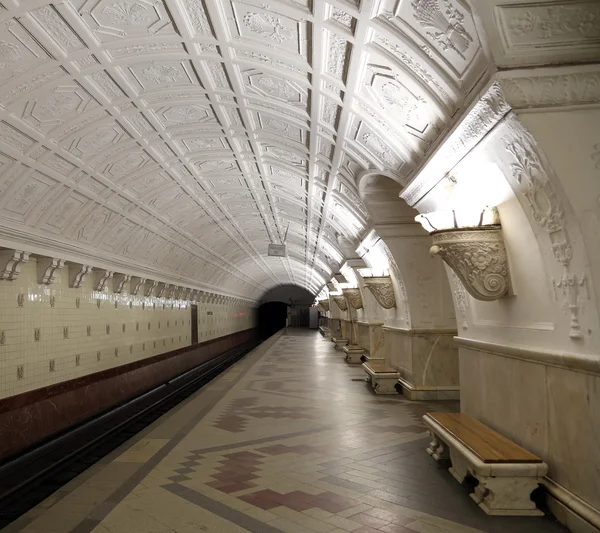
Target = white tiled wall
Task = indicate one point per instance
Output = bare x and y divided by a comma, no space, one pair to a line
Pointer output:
218,320
53,333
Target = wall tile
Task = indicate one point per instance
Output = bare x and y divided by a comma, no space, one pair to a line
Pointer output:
34,333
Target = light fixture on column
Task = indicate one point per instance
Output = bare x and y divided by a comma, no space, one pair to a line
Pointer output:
353,297
340,301
472,245
382,289
324,305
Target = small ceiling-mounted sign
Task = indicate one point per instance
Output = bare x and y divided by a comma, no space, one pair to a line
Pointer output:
277,250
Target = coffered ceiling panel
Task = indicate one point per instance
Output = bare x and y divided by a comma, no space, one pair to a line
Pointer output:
181,137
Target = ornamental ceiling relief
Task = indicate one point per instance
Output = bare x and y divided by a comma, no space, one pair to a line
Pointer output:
181,136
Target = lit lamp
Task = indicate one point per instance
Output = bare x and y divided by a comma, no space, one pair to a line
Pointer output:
340,302
324,305
472,245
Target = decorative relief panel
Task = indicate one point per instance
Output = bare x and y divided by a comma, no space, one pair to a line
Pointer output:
548,24
533,177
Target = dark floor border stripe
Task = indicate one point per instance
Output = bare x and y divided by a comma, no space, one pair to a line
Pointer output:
220,509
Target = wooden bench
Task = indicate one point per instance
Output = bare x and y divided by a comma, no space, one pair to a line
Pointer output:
382,377
507,473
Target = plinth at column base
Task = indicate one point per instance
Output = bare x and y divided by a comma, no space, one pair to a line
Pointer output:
339,342
353,354
368,357
415,393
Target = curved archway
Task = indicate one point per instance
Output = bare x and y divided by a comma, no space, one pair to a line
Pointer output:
285,305
423,321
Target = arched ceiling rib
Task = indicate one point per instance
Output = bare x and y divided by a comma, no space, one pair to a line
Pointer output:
185,136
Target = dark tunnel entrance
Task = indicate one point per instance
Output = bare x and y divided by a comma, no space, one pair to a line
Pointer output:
284,305
272,317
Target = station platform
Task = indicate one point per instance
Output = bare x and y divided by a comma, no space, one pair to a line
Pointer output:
289,439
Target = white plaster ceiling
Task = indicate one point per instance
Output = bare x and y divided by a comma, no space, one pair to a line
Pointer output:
179,137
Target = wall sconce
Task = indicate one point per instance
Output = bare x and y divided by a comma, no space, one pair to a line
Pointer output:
324,305
382,289
340,302
472,245
354,297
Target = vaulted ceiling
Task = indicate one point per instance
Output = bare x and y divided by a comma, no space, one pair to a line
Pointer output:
177,138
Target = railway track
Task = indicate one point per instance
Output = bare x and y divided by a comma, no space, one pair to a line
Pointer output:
30,478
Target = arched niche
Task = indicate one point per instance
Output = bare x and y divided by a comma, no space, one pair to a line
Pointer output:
418,332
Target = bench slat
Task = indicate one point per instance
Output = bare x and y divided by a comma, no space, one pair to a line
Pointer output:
485,443
379,367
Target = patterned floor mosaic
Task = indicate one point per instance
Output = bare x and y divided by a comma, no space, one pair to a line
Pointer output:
284,441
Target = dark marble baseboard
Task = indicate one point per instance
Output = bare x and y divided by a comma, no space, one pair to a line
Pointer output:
31,417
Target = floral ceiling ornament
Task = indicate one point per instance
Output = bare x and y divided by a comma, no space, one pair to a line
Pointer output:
382,289
126,13
353,297
268,26
531,171
444,24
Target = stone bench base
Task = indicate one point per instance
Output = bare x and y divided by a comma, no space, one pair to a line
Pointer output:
504,488
353,354
339,342
382,382
411,392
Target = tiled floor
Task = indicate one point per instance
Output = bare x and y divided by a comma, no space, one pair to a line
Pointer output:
287,440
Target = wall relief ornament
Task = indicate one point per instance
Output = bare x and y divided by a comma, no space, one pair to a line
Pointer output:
531,172
101,279
353,297
120,282
77,275
47,269
461,299
11,262
340,302
324,305
478,258
382,289
558,22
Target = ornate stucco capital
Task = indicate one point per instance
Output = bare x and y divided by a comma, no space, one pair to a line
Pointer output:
340,302
353,297
382,289
324,305
478,258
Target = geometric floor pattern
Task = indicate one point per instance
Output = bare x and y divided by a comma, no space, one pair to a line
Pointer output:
287,440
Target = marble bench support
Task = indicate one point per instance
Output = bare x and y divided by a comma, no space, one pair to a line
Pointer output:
504,488
382,382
